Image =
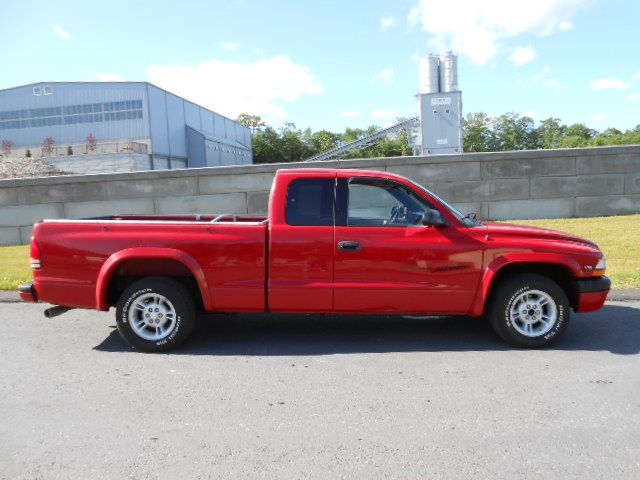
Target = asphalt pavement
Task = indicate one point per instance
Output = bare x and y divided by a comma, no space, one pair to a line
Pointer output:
301,396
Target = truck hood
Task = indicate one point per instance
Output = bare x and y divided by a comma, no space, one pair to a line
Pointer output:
511,229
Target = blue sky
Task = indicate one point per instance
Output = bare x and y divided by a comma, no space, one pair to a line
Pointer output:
332,64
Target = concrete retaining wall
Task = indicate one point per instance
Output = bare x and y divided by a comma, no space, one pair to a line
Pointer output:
501,185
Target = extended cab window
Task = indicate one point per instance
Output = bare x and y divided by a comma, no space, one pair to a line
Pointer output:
375,202
310,201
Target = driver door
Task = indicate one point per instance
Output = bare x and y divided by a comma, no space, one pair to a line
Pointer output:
387,261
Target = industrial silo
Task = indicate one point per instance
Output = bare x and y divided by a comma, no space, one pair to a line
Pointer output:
448,72
429,77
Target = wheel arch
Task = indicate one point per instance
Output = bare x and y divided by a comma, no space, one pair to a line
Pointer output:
559,268
167,261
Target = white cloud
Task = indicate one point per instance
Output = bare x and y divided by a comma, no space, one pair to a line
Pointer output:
388,22
230,46
61,32
552,83
413,18
350,113
522,55
232,88
544,78
634,97
385,76
477,29
598,117
609,84
565,26
636,75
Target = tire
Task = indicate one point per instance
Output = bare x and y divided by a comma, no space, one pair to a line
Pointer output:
155,314
529,311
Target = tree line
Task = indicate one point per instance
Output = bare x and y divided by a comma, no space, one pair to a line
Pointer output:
482,133
512,131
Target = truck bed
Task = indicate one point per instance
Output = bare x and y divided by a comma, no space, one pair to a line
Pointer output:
228,254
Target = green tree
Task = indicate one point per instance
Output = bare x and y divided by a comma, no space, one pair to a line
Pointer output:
550,133
267,146
577,135
293,147
478,133
513,132
254,122
322,140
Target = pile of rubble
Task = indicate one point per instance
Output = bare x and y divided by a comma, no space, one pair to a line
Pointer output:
27,167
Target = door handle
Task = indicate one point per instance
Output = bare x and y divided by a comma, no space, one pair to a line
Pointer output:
349,246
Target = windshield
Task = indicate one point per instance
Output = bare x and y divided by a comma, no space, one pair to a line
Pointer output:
466,219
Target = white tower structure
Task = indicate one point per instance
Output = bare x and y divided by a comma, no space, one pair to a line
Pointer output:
440,104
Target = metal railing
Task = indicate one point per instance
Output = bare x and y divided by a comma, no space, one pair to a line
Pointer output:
122,146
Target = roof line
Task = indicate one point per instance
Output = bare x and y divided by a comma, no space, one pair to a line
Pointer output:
130,82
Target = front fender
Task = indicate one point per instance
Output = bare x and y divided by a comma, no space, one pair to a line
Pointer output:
497,264
115,260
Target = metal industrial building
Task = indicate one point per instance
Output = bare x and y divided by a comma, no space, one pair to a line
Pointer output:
90,127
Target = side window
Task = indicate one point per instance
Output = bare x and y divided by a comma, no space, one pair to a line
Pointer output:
383,203
310,201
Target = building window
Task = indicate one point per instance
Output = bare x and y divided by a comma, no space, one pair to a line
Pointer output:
71,114
48,90
37,91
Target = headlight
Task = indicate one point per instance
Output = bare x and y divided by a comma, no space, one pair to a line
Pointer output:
601,267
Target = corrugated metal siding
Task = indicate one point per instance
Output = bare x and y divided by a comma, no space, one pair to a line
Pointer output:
159,130
163,119
195,148
206,120
85,98
175,120
192,115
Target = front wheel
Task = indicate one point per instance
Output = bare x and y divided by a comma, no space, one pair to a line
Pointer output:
529,311
155,314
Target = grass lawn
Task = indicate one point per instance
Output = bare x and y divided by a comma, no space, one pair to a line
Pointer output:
618,237
14,266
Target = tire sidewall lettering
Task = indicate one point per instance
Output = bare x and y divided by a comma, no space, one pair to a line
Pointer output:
127,305
559,321
516,294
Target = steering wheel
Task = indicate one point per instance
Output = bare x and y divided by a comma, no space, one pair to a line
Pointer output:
398,214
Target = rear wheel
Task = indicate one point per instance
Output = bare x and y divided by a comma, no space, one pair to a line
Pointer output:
155,314
529,311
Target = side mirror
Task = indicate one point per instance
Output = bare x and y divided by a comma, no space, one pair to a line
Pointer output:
433,218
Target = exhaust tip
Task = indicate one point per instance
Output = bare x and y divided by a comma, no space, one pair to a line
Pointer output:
55,311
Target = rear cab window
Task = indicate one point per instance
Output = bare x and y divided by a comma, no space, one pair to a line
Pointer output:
311,201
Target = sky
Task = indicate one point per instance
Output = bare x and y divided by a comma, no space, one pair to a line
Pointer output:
336,64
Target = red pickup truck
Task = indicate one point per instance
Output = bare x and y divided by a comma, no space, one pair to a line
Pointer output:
341,241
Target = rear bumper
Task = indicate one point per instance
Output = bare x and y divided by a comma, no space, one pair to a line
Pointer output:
27,292
592,293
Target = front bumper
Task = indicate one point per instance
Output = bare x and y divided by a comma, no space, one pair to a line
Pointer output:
28,292
592,293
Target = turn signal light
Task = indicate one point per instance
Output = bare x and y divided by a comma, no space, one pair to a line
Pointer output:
600,269
35,254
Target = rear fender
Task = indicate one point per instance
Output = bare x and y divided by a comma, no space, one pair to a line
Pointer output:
114,261
492,270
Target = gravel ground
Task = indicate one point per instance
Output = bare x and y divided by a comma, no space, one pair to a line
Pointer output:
318,397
